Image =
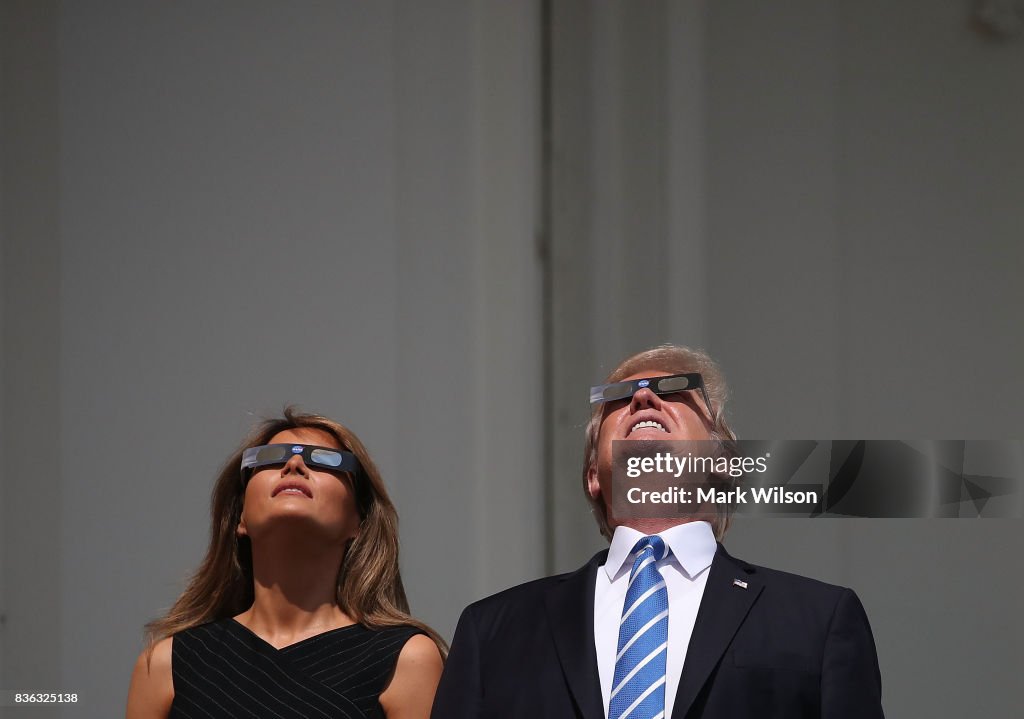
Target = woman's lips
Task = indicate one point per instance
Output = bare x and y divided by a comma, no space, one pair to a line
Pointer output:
292,488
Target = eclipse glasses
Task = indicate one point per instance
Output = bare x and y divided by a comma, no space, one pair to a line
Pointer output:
658,385
320,457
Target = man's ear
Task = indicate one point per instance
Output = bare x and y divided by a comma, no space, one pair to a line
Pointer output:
593,485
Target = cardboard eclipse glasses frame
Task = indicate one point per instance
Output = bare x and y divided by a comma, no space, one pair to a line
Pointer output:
658,385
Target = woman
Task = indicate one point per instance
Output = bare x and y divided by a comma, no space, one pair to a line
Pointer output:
298,609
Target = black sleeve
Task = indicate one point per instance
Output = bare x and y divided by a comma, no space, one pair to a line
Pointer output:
851,685
460,692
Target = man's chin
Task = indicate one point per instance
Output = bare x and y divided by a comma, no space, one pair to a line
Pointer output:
650,441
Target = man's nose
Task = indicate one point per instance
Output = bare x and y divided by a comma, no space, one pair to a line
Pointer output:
644,398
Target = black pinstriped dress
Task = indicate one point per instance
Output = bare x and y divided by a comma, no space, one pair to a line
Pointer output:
224,670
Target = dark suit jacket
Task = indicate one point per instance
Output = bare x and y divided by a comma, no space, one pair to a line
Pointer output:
784,647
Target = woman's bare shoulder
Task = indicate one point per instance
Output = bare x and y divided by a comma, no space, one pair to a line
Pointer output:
152,688
417,672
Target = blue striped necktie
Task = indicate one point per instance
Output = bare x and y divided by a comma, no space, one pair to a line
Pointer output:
638,687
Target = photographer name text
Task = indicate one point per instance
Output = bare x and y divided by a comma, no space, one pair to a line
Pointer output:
752,495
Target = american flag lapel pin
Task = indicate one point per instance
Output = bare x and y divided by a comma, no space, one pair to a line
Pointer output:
739,583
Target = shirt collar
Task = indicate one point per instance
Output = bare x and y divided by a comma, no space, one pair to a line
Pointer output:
693,547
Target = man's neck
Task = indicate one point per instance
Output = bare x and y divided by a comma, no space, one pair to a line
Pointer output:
652,525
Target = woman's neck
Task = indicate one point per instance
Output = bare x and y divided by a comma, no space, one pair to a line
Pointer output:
294,593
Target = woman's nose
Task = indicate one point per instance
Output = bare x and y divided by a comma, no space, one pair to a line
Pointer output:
295,465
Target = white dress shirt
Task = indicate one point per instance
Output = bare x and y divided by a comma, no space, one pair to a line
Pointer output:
685,571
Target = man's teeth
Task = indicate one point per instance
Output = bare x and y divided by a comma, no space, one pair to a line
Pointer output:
648,423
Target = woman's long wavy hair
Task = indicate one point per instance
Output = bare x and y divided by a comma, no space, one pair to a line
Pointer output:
369,586
674,359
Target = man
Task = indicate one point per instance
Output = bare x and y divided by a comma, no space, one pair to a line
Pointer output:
665,623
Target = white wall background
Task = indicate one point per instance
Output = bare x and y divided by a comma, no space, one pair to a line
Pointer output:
252,205
31,519
209,211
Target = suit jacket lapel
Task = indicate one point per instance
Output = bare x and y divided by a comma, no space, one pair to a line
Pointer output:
570,608
723,608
